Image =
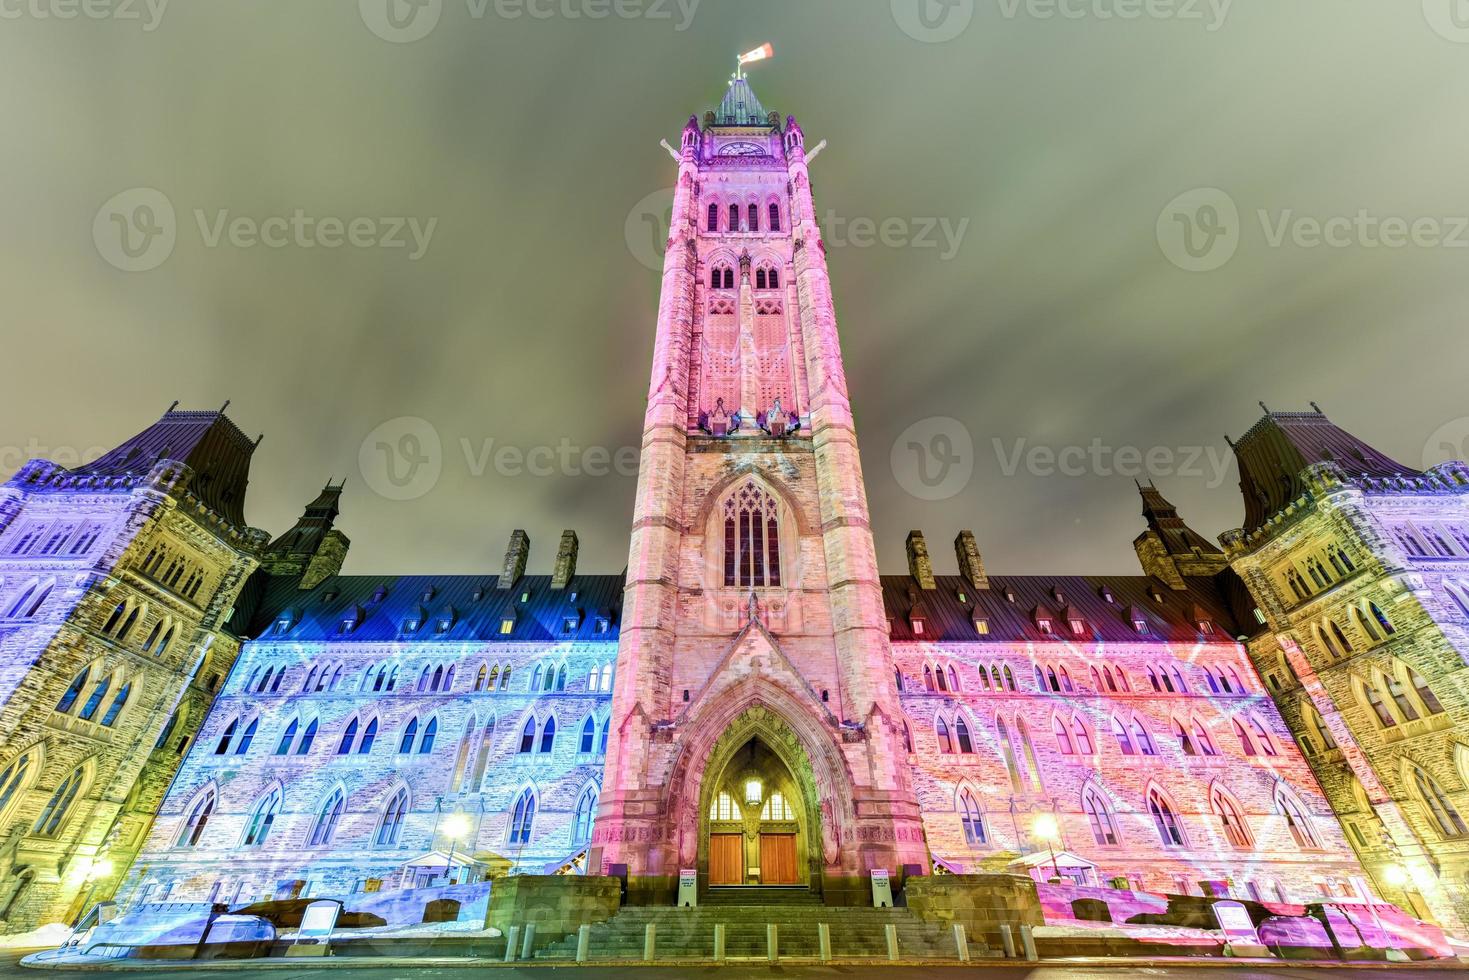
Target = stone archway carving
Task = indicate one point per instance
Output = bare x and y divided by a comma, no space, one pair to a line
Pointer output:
801,744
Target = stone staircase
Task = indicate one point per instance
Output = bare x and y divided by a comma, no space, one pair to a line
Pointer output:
856,933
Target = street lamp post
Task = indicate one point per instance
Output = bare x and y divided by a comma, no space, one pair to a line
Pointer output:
1046,829
456,827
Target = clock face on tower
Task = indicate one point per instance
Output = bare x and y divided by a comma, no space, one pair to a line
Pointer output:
743,150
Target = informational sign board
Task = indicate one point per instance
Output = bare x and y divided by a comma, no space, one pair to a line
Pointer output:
1234,920
688,888
882,889
317,922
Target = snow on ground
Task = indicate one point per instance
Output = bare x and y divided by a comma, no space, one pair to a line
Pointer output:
46,937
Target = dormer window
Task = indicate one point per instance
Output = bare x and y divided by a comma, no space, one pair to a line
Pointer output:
1259,615
917,627
604,621
330,596
981,626
962,597
1157,596
571,621
1078,627
1107,595
1140,625
283,623
1009,595
571,596
478,594
524,598
1044,625
414,620
428,594
351,620
444,622
1206,627
380,594
1060,596
507,624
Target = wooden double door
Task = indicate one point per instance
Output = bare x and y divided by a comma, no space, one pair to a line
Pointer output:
778,864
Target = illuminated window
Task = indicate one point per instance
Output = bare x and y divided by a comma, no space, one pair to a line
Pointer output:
1298,823
1445,817
724,808
751,538
776,808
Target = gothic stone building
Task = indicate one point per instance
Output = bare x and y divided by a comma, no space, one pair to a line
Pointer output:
750,699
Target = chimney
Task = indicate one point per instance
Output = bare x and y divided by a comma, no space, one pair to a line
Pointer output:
516,557
565,561
971,565
919,564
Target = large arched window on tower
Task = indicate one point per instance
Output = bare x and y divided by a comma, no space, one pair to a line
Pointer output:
391,824
714,217
1099,815
751,538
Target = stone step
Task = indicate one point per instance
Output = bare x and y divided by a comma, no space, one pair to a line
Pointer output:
857,933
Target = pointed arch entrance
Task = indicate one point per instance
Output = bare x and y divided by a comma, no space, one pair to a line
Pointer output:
759,812
755,822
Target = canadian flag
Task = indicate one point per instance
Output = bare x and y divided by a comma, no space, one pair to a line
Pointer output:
759,54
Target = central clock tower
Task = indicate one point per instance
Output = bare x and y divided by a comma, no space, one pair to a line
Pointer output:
756,733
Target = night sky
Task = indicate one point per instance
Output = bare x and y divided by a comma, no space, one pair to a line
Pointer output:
1053,313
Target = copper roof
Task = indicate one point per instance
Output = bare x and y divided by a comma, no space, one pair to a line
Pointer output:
1273,454
206,442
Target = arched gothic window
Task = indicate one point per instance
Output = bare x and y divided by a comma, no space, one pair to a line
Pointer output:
774,216
946,743
262,818
713,224
1446,818
1236,831
391,825
198,819
751,538
56,809
754,217
523,818
586,812
734,217
1170,831
1099,815
972,819
12,779
73,691
1298,823
327,818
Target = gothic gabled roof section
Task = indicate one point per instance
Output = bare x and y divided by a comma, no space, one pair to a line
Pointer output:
1279,447
1162,517
741,107
1106,605
207,442
378,607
